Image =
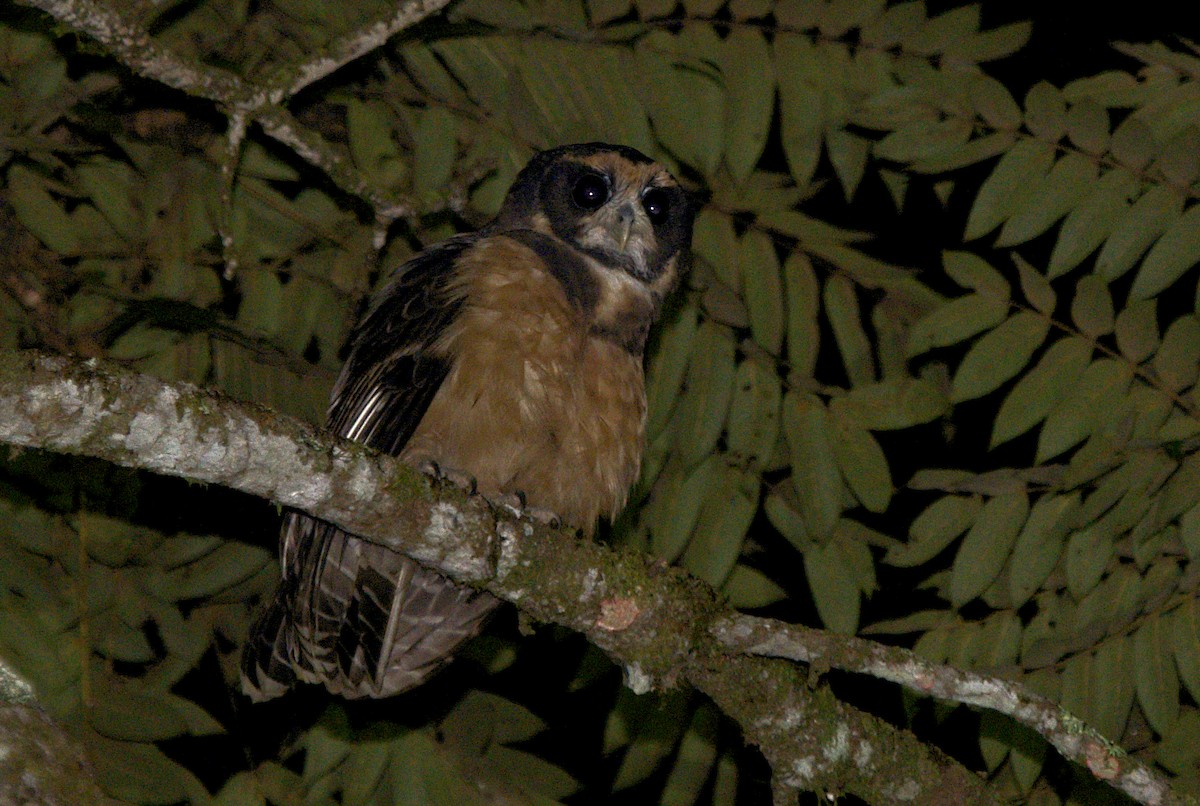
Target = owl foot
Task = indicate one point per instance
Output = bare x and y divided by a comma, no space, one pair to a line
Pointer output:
516,505
448,475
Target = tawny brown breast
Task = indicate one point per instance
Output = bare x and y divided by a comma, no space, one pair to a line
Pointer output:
535,401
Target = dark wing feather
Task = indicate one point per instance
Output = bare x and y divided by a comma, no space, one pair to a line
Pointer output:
391,375
358,617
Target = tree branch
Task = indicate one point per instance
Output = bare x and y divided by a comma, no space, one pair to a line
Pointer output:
657,623
133,46
1074,739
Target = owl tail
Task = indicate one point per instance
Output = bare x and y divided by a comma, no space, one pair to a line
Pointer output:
266,671
357,617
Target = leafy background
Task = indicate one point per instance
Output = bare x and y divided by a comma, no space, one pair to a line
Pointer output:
931,379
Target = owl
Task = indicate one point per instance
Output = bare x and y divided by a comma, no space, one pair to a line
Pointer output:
512,355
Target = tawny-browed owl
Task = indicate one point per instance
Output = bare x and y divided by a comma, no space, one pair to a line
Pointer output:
512,355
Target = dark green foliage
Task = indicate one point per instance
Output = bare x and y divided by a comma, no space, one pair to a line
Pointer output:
985,446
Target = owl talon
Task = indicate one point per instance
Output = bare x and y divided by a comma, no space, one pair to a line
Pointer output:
515,504
543,516
457,478
512,503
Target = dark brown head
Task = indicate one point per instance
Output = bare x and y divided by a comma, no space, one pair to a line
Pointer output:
611,203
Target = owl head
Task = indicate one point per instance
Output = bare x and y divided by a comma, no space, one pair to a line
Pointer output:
611,203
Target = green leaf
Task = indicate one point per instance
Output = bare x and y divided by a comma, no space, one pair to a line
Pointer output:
682,498
682,93
841,307
1088,552
657,723
783,512
1176,251
1185,641
667,365
715,240
1049,200
240,790
987,546
369,133
1039,544
945,30
1045,112
1112,687
1150,216
1133,142
1087,126
892,404
111,186
753,425
747,8
952,157
894,26
1157,682
996,43
929,139
1036,394
694,759
705,401
763,289
747,70
1177,361
896,183
1137,330
834,589
1092,307
803,305
434,152
840,16
934,529
1003,191
1177,157
1035,286
747,588
863,464
725,515
854,541
815,474
602,11
999,355
725,783
973,272
134,714
1177,752
40,213
802,118
956,321
139,772
1027,757
1089,224
213,573
1083,407
995,103
848,153
262,302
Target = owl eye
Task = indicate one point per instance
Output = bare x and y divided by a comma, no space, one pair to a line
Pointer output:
657,205
590,191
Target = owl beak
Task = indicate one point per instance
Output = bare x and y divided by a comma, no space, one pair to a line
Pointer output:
623,225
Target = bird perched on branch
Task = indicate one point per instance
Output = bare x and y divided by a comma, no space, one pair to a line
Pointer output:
512,354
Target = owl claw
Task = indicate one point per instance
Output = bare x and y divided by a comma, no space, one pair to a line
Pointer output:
516,505
457,478
544,516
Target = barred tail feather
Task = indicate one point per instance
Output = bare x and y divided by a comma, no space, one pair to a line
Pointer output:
361,619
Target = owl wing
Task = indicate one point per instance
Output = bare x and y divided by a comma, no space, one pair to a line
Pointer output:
354,615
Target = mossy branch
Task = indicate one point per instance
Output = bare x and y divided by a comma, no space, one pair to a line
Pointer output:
656,622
